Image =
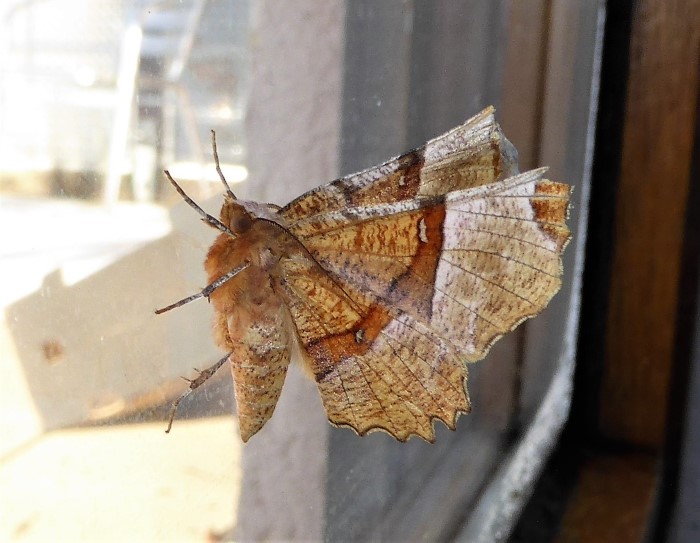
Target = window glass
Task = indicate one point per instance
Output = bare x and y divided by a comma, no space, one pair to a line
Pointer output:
97,97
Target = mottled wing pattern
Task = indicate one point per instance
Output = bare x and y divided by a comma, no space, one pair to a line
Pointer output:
470,265
475,153
398,295
376,368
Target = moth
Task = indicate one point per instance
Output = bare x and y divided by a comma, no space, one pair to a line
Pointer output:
387,281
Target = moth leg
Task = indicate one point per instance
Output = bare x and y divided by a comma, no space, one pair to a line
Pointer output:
218,166
202,378
206,291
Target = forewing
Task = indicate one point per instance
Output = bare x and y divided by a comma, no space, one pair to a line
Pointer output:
376,368
473,154
469,266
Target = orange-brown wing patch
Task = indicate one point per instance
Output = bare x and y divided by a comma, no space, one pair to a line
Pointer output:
473,154
375,368
394,257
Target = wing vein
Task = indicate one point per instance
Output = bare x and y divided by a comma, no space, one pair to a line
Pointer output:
483,231
320,321
433,369
508,258
496,215
494,283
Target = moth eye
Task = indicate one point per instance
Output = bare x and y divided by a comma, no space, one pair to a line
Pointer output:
241,223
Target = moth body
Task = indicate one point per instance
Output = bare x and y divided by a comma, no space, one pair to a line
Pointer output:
251,319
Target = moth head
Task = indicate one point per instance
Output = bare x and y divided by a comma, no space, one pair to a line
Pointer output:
235,216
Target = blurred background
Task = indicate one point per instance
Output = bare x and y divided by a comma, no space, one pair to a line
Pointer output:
97,96
585,420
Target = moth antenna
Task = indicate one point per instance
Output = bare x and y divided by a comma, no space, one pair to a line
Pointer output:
202,378
218,166
206,291
210,220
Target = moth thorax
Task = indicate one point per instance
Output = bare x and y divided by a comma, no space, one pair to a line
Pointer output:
269,257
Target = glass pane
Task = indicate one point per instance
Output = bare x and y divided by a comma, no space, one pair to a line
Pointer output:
96,98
